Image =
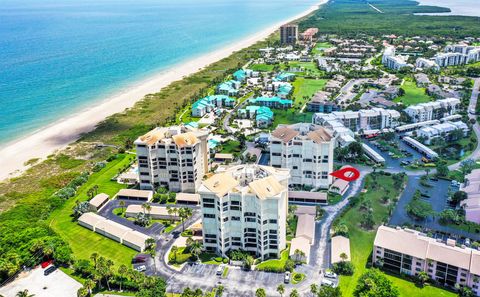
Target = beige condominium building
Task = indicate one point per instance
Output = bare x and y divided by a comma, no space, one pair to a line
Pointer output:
245,207
289,34
307,150
410,252
172,157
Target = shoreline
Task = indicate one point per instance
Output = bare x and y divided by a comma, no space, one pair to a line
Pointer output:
61,133
457,8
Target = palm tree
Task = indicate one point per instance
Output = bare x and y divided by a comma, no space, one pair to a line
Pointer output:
24,293
427,171
196,248
94,258
344,257
260,292
148,207
108,272
298,255
122,271
174,250
170,211
184,213
294,293
82,292
150,245
313,289
122,205
281,289
89,285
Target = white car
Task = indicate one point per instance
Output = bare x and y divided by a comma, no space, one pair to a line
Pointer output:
330,274
141,268
220,269
327,282
286,278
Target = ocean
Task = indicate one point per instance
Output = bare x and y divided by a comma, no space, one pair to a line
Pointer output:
59,57
458,7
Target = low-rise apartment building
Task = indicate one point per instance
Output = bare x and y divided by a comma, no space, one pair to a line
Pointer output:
245,207
307,150
427,64
444,130
472,204
364,119
410,252
458,54
172,157
433,110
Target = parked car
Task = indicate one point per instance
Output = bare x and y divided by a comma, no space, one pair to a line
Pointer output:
141,268
46,263
49,270
220,269
327,282
286,278
176,234
330,274
139,259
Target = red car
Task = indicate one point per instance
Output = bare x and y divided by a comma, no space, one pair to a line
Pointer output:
46,263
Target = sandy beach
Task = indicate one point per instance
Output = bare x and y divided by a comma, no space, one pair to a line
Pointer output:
65,131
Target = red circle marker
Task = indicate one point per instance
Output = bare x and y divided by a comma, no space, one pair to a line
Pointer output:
347,173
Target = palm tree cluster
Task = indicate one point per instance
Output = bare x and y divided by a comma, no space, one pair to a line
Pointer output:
99,274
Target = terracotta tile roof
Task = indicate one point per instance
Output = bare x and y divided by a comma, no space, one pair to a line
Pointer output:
319,135
284,133
340,244
220,183
185,139
266,187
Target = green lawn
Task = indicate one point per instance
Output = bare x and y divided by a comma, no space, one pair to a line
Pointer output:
82,241
413,94
290,116
182,256
297,277
318,49
306,88
230,147
361,241
334,198
275,264
262,67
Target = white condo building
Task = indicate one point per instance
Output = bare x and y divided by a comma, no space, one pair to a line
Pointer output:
443,130
411,252
392,61
458,54
172,157
245,207
426,64
364,119
433,110
307,150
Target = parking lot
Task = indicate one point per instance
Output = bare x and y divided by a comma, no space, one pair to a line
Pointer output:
56,284
237,282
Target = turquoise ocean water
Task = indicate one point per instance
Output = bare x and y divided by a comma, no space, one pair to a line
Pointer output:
57,57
